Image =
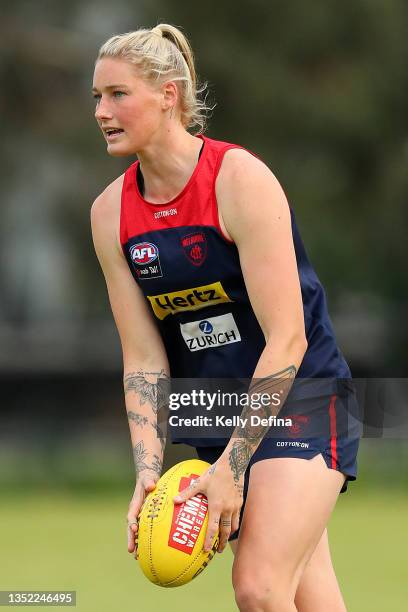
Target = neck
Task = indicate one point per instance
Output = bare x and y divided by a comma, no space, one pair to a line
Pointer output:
167,165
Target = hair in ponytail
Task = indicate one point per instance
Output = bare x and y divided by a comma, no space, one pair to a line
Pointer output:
160,54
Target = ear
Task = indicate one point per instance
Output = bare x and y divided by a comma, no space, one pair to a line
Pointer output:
170,95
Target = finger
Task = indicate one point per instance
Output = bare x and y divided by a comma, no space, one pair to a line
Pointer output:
225,530
136,555
135,505
190,491
132,535
132,524
212,528
132,519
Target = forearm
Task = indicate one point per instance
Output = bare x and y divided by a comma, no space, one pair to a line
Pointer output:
146,393
273,376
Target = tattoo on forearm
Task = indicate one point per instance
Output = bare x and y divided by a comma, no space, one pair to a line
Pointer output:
139,455
155,393
248,435
279,383
139,419
157,464
239,457
160,433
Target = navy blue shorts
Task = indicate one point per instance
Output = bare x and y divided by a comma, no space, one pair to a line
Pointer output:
339,445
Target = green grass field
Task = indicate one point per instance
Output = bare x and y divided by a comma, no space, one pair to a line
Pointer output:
73,542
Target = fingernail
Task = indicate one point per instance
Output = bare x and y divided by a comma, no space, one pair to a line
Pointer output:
177,499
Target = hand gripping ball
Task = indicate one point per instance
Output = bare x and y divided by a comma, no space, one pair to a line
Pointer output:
171,536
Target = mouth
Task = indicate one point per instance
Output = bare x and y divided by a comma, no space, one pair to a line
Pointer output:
112,133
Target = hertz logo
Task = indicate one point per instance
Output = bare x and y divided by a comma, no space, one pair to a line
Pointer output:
187,299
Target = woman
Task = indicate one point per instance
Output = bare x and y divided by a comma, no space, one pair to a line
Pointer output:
197,236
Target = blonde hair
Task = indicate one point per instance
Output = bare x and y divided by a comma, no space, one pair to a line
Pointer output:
160,54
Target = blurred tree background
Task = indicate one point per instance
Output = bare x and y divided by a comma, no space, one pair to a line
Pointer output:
319,93
318,90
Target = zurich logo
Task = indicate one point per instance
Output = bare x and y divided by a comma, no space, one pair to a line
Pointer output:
206,327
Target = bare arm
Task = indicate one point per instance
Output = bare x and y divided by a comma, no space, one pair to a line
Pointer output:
256,216
145,364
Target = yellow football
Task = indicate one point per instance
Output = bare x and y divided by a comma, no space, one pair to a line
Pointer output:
171,536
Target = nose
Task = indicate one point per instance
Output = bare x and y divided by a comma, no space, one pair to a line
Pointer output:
102,111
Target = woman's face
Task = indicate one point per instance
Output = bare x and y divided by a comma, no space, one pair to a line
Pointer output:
128,103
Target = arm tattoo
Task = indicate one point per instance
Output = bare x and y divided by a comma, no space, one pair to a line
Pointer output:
249,436
139,455
269,384
156,393
280,383
139,419
157,464
160,433
239,457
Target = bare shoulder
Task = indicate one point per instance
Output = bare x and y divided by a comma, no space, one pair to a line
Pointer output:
238,160
108,202
246,189
105,213
241,168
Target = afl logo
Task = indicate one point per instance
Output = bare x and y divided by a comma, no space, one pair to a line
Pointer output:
144,253
206,327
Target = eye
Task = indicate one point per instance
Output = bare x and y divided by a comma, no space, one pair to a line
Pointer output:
116,94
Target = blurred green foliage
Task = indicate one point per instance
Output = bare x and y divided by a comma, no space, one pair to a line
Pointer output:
318,91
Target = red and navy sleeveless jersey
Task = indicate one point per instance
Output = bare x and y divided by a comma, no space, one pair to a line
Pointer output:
190,275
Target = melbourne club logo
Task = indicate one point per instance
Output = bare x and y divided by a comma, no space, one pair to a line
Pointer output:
195,247
145,259
299,423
